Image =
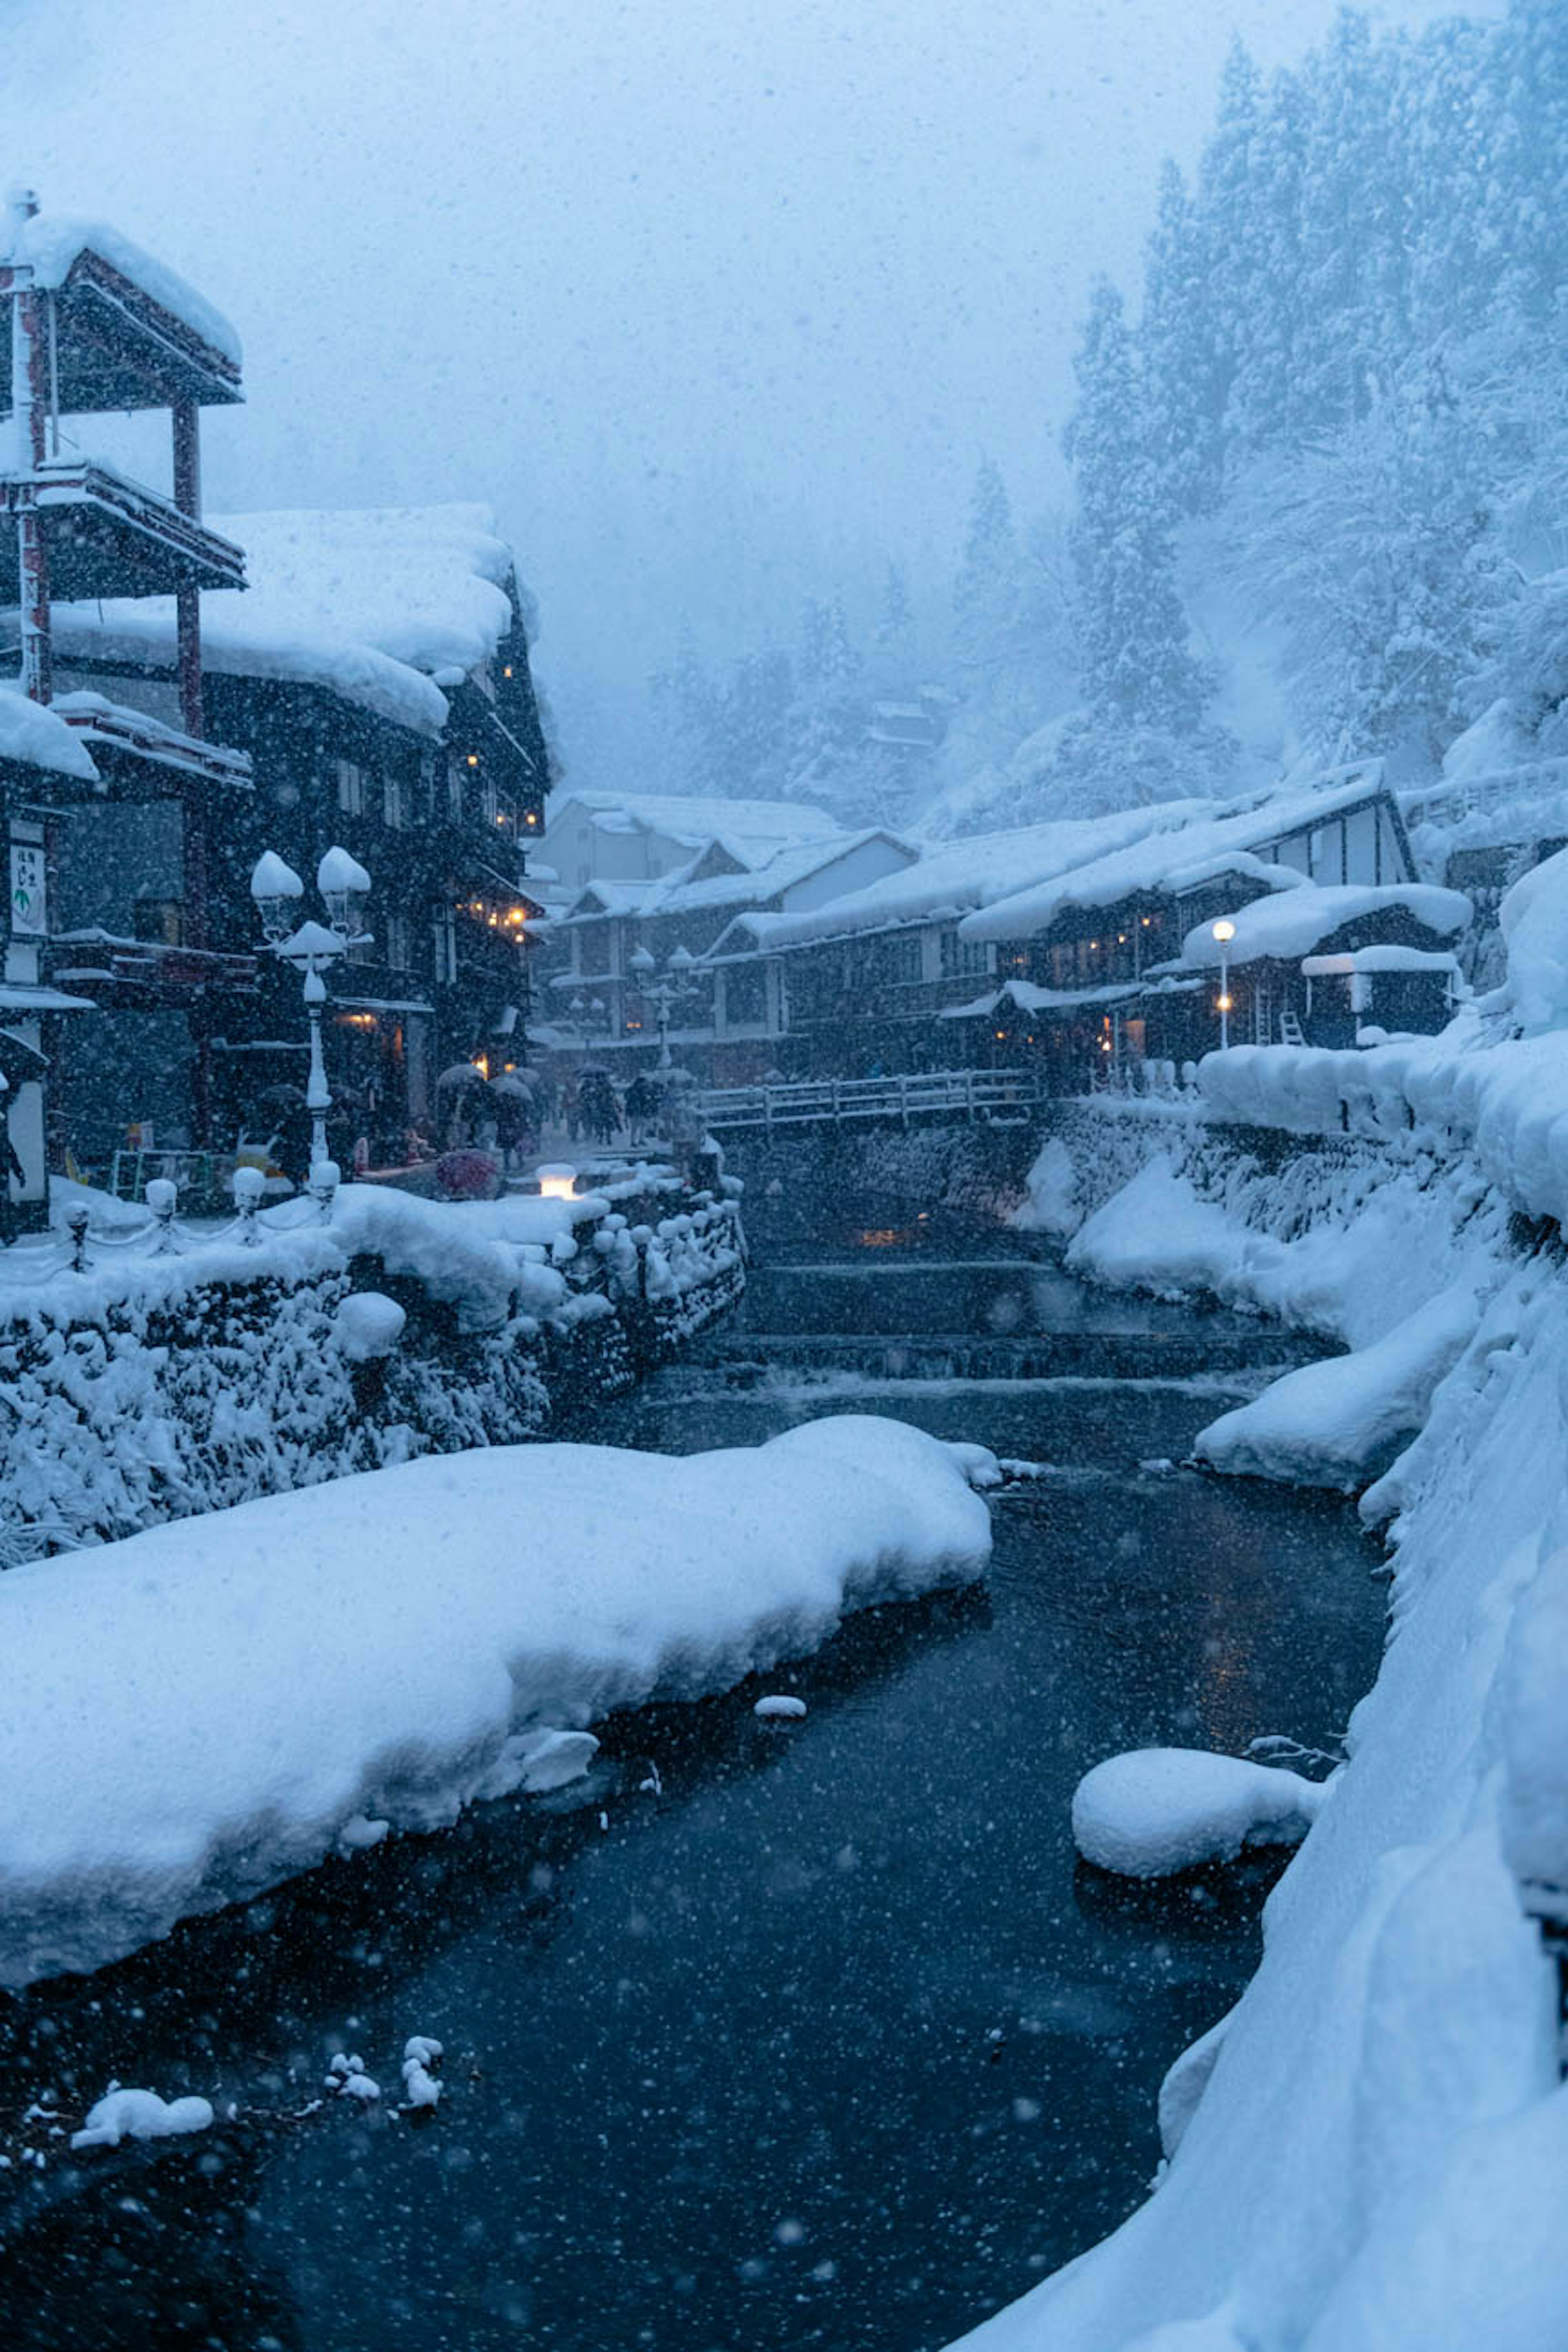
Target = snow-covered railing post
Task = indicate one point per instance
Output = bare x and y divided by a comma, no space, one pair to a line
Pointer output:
161,1195
78,1218
321,1184
250,1191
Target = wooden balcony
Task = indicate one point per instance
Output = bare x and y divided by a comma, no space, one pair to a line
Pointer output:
117,347
139,757
109,537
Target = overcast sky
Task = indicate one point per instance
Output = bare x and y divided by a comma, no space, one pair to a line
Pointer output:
711,299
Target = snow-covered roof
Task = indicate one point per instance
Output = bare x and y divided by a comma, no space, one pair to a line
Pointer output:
1383,959
751,828
677,894
1293,924
37,738
1027,996
370,603
51,244
1195,843
954,877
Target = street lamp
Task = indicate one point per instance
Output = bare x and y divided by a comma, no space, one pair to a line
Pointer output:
664,994
313,949
1223,932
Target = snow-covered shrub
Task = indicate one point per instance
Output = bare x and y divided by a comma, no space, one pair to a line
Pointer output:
469,1175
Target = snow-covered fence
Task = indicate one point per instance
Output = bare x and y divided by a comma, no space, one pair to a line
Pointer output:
921,1094
149,1371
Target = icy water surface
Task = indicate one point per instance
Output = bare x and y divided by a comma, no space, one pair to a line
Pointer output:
782,2036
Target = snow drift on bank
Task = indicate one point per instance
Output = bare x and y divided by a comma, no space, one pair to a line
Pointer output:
196,1712
1338,1423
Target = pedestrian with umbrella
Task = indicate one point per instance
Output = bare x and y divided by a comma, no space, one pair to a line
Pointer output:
467,1102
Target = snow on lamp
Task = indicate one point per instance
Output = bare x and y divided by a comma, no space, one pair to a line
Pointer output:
344,886
276,890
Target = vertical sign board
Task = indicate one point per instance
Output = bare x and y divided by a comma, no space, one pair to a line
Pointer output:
29,894
26,1160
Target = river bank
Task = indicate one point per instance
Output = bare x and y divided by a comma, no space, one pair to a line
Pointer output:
1379,2128
814,2034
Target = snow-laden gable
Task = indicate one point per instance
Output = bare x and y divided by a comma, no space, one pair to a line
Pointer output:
51,244
751,828
1178,853
1295,921
691,889
952,877
36,737
373,603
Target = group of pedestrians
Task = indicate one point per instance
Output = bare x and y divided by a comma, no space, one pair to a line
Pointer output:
591,1112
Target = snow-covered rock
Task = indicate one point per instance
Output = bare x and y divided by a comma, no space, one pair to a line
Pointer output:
141,2114
779,1707
1158,1809
421,2058
347,2079
257,1679
1339,1422
1050,1202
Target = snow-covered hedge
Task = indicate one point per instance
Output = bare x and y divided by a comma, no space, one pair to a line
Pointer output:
150,1387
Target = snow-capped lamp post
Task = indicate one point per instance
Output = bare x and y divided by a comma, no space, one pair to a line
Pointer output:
313,949
665,992
1223,932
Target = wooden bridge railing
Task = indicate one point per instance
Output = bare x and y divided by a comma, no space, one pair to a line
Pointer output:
965,1094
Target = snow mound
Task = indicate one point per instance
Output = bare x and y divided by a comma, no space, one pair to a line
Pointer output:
1050,1202
258,1679
141,2114
1534,919
368,1325
1157,1234
1158,1809
1339,1423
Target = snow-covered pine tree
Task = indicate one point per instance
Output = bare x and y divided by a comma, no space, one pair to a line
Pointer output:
1375,548
753,724
1183,386
826,719
987,608
686,753
1138,669
894,650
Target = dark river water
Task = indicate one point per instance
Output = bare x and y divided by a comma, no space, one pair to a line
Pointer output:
766,2036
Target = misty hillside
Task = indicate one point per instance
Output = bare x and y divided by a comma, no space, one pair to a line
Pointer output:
1317,458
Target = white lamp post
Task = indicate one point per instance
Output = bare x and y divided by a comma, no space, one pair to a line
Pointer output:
1223,932
663,994
313,949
